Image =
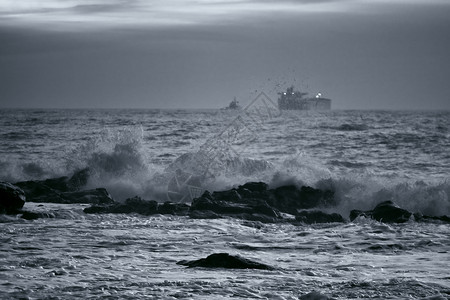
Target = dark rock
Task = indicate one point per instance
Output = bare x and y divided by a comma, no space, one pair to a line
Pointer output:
225,260
387,212
203,214
168,208
131,205
64,190
355,213
254,186
140,206
254,201
316,216
231,204
230,195
12,198
55,190
95,196
390,212
290,198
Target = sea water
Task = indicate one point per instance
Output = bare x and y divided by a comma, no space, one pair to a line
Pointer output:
365,157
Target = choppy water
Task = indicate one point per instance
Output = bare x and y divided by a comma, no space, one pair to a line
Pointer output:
365,156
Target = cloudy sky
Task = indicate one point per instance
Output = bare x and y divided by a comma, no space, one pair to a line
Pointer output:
366,54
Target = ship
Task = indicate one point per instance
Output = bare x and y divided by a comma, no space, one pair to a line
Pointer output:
234,105
296,100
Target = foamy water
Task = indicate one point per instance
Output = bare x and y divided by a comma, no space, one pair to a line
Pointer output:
364,156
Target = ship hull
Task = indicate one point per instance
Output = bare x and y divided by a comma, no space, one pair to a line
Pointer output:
304,104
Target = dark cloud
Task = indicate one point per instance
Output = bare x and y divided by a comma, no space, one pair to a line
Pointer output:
396,57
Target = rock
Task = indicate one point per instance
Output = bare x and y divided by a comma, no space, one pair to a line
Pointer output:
232,204
390,212
131,205
254,186
225,260
178,209
387,212
38,188
95,196
50,190
12,198
290,198
140,206
316,216
254,201
203,214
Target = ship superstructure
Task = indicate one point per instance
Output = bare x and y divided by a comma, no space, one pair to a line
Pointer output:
296,100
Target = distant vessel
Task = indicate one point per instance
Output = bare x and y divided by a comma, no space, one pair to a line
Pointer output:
233,104
295,100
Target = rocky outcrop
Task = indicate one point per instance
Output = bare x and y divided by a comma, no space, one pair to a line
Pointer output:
254,201
230,203
225,260
64,190
12,198
54,190
140,206
390,212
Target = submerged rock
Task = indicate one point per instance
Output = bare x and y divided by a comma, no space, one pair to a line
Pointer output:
225,260
390,212
12,198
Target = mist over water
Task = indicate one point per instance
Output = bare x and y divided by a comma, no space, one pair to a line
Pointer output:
364,156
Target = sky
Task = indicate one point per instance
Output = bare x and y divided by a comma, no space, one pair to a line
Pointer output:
366,54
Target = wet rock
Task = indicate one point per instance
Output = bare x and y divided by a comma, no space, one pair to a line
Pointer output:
178,209
95,196
59,190
131,205
204,214
254,201
12,198
225,260
38,188
387,212
140,206
290,198
234,206
316,216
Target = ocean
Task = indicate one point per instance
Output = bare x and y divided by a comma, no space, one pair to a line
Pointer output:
365,157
